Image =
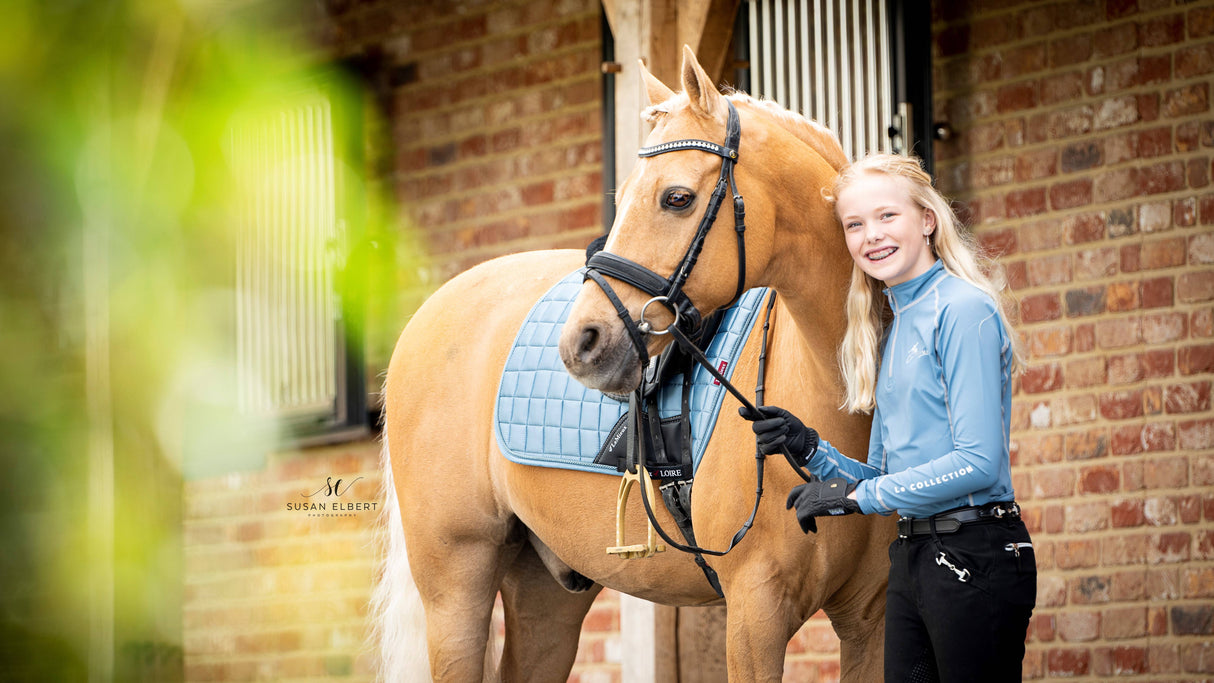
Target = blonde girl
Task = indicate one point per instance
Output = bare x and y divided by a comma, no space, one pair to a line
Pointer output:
929,351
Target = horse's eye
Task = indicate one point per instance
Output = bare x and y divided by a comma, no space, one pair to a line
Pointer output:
678,199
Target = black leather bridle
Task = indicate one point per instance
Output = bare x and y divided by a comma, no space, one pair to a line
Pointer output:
669,290
687,318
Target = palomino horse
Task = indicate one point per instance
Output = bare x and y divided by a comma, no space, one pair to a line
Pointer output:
475,524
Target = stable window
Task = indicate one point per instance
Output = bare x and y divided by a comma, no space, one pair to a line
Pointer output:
859,67
297,348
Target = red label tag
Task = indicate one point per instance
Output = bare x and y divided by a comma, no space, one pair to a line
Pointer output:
721,369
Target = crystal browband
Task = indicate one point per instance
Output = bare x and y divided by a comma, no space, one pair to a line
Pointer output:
675,145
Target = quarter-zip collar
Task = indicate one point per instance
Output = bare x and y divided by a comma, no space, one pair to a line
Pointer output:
905,294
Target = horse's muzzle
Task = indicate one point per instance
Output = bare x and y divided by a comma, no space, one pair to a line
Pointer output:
601,357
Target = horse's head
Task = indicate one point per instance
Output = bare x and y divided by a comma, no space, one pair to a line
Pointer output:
660,222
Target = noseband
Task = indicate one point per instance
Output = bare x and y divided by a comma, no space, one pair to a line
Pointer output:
669,290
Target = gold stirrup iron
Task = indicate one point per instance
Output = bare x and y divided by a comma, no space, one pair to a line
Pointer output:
650,547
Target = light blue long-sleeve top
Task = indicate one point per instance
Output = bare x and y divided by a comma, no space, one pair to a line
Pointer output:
941,427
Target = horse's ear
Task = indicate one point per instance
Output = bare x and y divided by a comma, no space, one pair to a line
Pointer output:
655,89
704,96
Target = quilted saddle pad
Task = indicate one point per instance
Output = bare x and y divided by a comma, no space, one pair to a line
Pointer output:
545,417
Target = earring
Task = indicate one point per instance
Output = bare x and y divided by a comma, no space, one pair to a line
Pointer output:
927,240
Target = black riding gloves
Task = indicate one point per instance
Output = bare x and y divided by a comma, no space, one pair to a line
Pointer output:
818,498
775,427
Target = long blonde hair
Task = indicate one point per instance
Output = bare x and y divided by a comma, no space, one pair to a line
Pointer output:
867,309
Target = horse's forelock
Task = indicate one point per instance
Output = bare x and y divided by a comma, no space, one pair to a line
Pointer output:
654,112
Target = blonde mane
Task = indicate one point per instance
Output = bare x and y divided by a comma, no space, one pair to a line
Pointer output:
812,133
820,138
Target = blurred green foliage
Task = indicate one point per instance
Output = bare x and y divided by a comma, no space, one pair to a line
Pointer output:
116,274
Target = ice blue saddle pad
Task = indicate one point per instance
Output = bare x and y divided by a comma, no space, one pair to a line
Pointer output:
545,417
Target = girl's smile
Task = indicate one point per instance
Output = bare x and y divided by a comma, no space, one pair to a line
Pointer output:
886,231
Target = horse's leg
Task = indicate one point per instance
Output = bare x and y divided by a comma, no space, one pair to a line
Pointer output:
543,618
758,625
857,613
458,578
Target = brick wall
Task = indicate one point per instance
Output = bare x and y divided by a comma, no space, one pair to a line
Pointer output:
496,120
275,592
1082,148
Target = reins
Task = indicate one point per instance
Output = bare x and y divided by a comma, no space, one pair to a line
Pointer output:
669,292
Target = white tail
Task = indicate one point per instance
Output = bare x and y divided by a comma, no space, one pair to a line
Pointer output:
396,606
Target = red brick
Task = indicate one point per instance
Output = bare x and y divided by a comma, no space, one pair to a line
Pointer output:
1070,195
1186,101
1052,341
1201,323
1164,177
1194,287
998,243
1169,547
1040,307
1156,292
1118,184
1196,434
1167,473
1148,107
1083,228
1118,333
1021,203
1049,270
1042,378
1121,405
1099,479
1151,437
1161,30
1054,483
1075,554
1123,550
1116,39
1086,372
1040,235
1086,446
1184,212
1017,97
1122,296
1130,258
1201,22
1062,124
1085,338
1068,663
1062,88
1162,328
1127,513
1155,217
1115,112
1079,627
1120,661
1192,360
1165,253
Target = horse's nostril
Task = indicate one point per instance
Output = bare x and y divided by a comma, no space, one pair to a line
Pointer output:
587,343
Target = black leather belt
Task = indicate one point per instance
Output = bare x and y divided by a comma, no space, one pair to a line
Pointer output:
949,522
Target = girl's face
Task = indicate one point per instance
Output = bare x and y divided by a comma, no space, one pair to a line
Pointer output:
884,229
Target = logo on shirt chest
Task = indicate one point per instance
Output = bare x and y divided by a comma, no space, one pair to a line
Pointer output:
915,352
